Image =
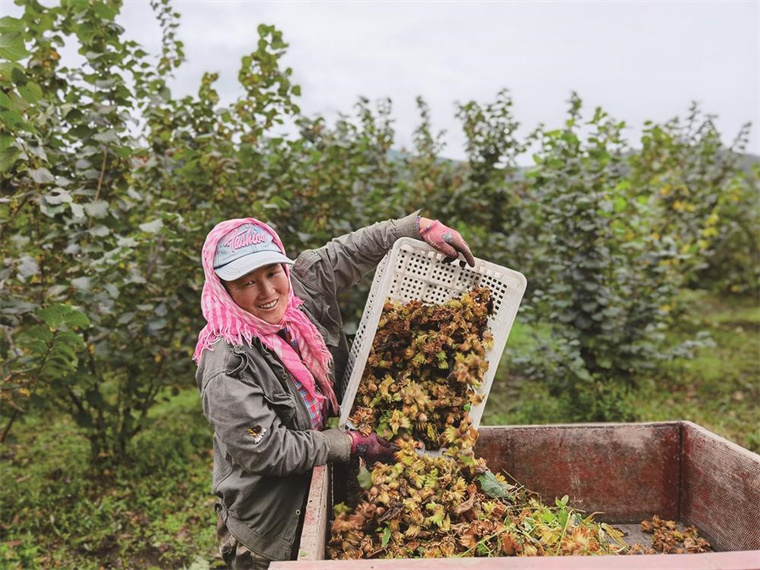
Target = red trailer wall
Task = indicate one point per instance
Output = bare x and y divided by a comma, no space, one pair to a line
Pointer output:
720,490
625,471
629,472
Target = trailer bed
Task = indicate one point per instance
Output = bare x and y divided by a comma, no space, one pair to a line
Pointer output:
624,472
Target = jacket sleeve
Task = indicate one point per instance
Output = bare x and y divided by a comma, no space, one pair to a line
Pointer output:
344,260
256,438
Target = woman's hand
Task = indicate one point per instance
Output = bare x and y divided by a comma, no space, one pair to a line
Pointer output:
371,447
449,242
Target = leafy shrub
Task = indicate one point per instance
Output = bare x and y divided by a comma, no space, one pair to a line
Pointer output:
692,179
48,353
154,511
604,280
733,259
108,217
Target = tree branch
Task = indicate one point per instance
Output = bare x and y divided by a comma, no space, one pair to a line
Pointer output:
102,172
76,401
7,223
8,427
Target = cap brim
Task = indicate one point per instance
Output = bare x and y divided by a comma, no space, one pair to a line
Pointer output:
244,265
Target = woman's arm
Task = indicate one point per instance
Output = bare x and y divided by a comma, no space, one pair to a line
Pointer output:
344,260
256,438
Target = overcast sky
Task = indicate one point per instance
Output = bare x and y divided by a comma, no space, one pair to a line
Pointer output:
638,60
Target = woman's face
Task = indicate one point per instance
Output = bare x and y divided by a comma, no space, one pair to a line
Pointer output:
263,293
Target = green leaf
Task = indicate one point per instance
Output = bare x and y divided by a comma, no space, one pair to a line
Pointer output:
157,324
60,315
77,210
604,362
77,319
39,333
99,231
82,283
341,508
58,196
126,318
8,158
387,533
277,202
106,137
98,209
438,516
364,478
31,92
152,227
55,291
62,351
28,267
41,175
10,24
8,71
11,117
492,486
562,517
113,290
620,204
102,10
51,211
12,46
548,517
53,315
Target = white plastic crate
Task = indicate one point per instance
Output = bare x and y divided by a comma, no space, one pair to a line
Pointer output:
414,270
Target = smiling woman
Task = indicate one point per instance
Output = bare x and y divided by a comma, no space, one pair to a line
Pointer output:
267,359
251,266
263,292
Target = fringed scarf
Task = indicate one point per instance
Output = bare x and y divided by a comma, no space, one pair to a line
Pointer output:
224,319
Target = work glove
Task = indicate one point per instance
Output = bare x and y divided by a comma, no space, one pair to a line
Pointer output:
371,447
449,242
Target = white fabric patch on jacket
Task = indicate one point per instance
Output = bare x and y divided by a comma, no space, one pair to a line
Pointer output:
257,432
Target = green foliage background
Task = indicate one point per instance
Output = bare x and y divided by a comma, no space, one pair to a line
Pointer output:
103,217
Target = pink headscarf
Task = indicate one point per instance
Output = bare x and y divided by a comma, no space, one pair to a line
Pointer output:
228,321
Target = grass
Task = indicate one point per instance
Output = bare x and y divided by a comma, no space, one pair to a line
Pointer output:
156,511
719,388
513,399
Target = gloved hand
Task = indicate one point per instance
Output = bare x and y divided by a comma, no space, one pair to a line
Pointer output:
371,447
449,242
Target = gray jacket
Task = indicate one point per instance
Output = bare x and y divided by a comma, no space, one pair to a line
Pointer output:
264,447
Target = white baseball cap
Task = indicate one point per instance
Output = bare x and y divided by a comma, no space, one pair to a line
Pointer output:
245,249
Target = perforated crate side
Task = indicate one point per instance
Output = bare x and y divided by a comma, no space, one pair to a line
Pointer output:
365,333
361,330
414,270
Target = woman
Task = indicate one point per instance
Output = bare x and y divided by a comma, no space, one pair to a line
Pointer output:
267,360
